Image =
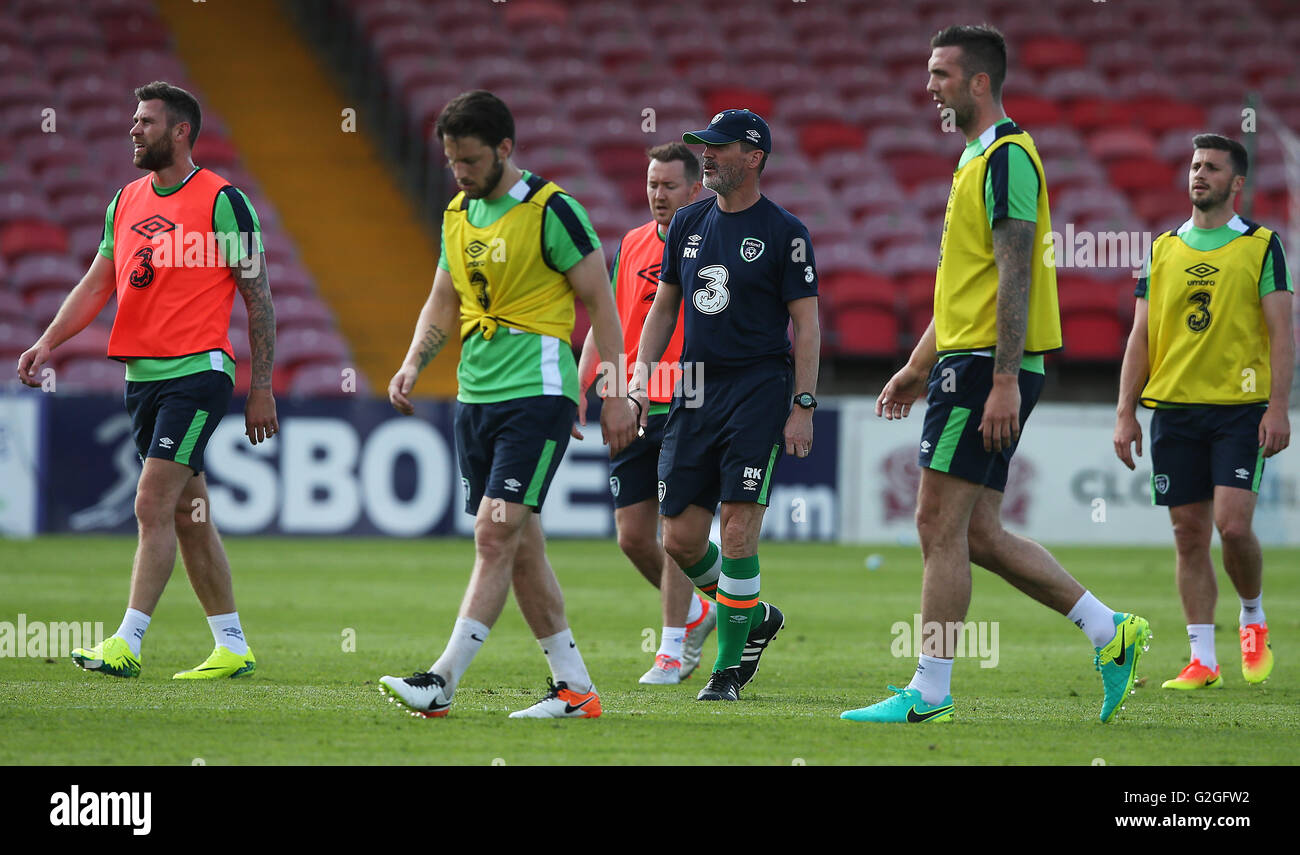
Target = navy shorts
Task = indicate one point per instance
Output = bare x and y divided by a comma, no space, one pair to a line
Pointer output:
510,449
727,449
950,438
1195,449
174,419
634,471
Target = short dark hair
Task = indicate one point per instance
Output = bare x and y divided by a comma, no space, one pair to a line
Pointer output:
983,49
181,106
1240,163
478,113
747,147
670,151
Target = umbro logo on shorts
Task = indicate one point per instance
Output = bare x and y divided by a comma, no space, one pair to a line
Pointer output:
925,446
750,484
1243,474
166,442
512,485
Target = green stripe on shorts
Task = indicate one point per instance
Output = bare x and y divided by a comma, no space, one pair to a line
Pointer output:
767,478
539,474
1259,471
947,445
191,437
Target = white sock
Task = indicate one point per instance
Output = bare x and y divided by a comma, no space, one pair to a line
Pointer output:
1252,611
1094,618
696,611
467,637
1201,635
227,632
933,679
670,643
134,623
566,663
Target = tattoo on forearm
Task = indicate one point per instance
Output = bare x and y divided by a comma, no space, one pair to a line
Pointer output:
256,291
430,343
1013,247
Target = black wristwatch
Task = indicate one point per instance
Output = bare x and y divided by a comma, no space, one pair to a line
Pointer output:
806,400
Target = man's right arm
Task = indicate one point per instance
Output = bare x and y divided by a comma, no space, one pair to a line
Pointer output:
657,331
438,319
80,307
1132,377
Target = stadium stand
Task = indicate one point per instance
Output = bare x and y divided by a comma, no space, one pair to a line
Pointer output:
1113,98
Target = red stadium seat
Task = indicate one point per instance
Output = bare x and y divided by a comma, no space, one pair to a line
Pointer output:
1092,337
912,168
1052,52
1088,114
726,98
1133,174
1031,111
1163,114
1120,143
817,138
30,237
866,331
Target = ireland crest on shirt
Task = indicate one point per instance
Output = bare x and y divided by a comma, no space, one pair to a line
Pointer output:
751,248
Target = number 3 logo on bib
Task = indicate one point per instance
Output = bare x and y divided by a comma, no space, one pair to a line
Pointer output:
714,297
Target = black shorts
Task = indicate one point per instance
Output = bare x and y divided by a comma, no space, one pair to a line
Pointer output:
950,438
727,449
634,471
1195,449
510,449
173,419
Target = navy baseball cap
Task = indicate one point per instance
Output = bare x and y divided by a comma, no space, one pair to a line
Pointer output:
733,126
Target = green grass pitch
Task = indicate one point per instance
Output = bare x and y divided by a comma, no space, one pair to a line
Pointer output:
314,702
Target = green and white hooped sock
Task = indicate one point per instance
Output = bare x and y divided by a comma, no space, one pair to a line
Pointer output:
738,608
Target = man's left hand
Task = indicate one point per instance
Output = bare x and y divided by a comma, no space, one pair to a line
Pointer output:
799,432
1274,430
260,422
1000,426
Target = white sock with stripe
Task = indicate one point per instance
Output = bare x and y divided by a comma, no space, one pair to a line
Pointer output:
1201,636
1093,617
933,679
1252,610
670,643
226,632
467,638
566,663
134,624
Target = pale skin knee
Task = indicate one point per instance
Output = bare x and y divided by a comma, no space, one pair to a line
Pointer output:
1236,532
636,545
1191,536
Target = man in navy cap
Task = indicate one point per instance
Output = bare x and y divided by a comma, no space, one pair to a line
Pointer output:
743,269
